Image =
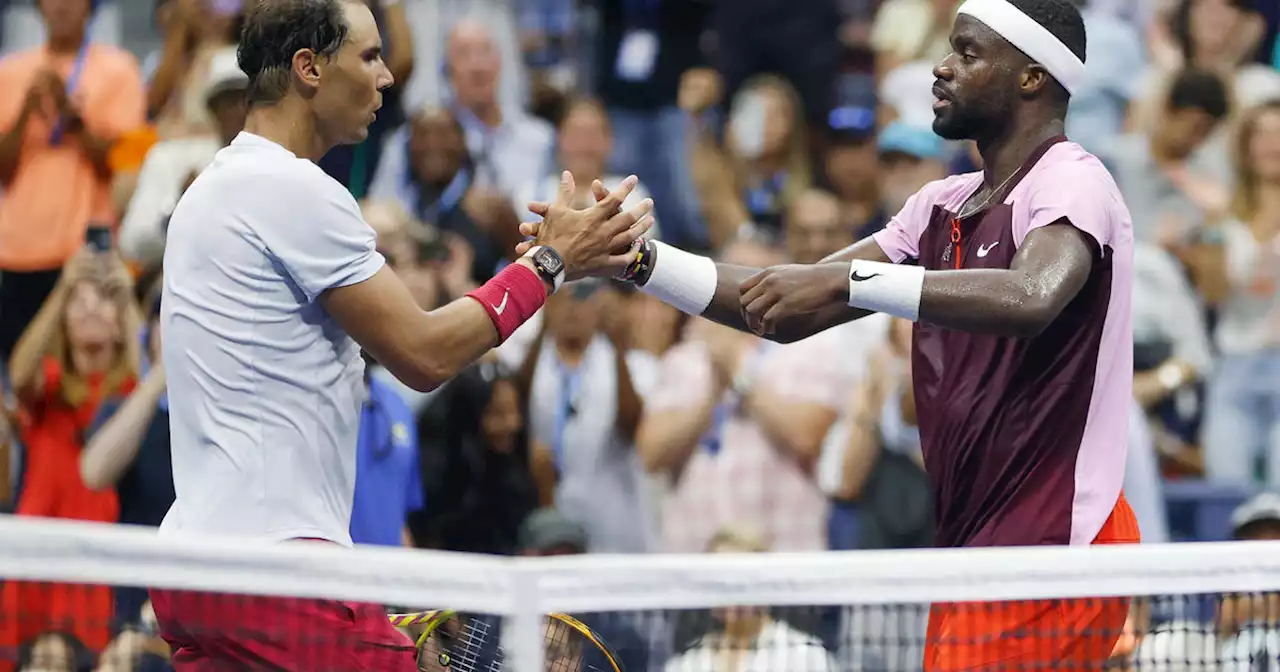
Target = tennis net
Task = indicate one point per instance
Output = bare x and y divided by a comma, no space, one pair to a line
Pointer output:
1169,607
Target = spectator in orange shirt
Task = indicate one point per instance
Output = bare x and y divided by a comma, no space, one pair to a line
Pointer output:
62,105
80,348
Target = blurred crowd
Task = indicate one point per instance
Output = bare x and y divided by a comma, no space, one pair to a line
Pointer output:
766,131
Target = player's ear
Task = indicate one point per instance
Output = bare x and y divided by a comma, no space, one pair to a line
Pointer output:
1033,79
306,67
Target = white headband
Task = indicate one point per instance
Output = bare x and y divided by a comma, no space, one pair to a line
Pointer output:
1030,37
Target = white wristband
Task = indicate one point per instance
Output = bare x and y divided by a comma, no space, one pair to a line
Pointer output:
892,289
680,279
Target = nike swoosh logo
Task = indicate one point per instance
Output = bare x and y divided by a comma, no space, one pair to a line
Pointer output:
859,278
983,250
502,306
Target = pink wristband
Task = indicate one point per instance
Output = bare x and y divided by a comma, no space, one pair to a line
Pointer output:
511,297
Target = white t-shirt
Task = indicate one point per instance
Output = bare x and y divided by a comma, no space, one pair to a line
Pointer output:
264,387
777,647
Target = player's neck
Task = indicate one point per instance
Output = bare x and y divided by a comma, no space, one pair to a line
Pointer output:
1002,157
289,125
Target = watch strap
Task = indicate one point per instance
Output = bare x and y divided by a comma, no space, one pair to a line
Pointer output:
556,279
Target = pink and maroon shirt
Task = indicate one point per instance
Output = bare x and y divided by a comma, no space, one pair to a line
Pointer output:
1025,438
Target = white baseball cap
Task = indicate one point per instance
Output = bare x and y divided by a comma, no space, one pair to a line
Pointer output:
224,74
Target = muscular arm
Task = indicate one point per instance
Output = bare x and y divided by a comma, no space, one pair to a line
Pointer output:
1048,271
423,349
726,307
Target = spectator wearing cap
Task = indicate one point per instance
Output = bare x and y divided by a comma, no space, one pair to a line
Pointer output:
547,532
910,157
587,387
1249,623
62,105
642,49
173,164
850,162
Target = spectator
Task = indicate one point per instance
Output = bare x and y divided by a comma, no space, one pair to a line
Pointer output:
851,166
388,476
1249,624
509,148
548,42
910,157
434,181
799,41
1114,53
354,165
584,142
57,123
54,652
171,165
128,452
1219,36
912,30
745,639
195,32
433,23
134,651
474,443
764,163
81,348
587,390
738,428
642,49
1170,186
1239,430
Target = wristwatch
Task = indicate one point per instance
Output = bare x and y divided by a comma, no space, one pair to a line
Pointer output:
549,264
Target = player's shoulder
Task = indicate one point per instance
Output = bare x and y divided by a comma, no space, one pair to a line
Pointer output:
951,188
268,171
1067,165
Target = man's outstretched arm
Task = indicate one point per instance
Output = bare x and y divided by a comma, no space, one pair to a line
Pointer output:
726,305
1049,270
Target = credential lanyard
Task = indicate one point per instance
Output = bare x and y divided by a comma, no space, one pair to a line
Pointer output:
449,198
728,405
570,387
73,83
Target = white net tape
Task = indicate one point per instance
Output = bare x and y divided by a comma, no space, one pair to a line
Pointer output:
522,589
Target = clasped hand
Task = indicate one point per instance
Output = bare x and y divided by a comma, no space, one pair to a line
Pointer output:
779,293
596,241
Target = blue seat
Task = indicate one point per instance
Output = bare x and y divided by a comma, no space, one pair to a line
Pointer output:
1200,510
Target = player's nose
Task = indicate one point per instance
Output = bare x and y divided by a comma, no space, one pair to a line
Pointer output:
943,69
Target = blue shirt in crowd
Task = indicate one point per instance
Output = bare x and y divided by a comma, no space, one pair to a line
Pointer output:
388,480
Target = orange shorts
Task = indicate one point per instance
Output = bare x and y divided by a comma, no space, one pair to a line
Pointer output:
1075,634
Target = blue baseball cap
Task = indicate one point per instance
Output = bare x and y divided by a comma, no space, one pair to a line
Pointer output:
900,138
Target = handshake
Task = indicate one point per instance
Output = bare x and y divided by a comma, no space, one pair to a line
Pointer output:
604,240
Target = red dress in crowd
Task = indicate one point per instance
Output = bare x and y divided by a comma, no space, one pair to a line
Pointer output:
53,434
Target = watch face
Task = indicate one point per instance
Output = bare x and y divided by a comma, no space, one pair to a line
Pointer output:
550,261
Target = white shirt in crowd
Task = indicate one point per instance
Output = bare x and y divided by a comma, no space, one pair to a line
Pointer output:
778,647
164,173
1249,321
602,481
264,387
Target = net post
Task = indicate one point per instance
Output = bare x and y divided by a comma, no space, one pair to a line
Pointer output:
523,639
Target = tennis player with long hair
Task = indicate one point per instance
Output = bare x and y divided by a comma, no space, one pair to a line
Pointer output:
272,285
1019,279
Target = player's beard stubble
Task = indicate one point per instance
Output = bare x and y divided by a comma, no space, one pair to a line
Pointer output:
964,119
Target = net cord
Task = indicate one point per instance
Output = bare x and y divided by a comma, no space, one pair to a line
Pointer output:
524,588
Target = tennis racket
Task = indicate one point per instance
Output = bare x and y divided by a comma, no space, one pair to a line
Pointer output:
452,641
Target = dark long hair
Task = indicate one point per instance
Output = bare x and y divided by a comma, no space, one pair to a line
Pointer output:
476,496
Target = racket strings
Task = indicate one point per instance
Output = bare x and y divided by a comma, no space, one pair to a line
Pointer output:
566,641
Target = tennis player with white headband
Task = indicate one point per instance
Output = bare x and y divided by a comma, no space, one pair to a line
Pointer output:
1019,278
